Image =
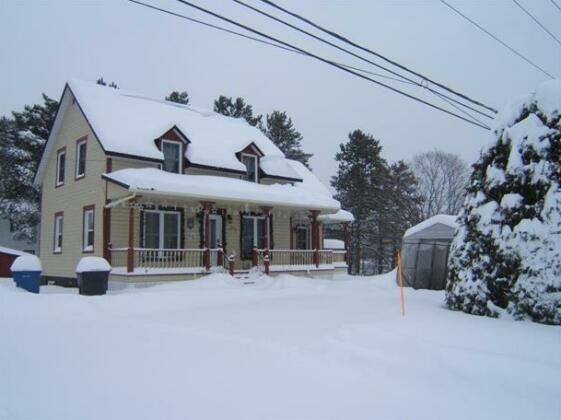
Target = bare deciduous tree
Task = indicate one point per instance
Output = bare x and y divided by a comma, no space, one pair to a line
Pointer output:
442,179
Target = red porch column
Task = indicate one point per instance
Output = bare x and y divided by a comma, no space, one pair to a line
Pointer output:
267,228
315,235
130,249
206,226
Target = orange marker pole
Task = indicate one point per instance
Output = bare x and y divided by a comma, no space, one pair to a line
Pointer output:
399,273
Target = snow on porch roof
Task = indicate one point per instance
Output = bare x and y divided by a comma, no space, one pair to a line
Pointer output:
147,181
128,123
339,217
444,219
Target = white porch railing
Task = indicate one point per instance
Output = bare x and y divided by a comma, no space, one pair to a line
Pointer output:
339,256
158,258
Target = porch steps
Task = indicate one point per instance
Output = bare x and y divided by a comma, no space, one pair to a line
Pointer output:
244,278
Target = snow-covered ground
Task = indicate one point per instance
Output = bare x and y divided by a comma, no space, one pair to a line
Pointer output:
284,348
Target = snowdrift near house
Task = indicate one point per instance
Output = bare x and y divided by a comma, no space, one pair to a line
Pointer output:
506,255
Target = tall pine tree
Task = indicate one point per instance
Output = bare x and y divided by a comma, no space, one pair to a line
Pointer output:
22,140
359,182
280,130
237,108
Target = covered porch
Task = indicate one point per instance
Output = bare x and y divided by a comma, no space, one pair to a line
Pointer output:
153,233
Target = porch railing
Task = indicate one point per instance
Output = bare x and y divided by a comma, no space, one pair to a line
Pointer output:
339,256
325,257
159,258
290,256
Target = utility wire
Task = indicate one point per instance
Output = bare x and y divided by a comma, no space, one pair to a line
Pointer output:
556,5
331,63
348,41
262,41
495,38
537,21
276,19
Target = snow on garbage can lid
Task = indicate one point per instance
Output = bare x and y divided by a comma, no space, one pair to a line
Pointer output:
87,264
26,263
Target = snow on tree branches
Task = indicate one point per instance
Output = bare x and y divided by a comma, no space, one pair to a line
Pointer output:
506,255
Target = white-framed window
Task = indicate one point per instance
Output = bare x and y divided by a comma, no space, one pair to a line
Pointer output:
250,162
253,236
162,229
60,167
81,158
58,229
172,156
88,224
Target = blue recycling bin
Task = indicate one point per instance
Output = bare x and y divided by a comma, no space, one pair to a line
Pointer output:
28,280
26,270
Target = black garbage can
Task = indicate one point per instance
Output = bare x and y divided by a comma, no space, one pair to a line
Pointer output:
93,276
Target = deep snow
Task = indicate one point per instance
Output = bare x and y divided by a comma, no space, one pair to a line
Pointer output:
282,348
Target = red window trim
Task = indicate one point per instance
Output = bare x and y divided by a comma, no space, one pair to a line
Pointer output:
84,140
84,209
58,152
57,214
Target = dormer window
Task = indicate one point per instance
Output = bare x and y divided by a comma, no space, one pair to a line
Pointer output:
250,162
172,156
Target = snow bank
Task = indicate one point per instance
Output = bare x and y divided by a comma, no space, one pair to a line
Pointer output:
287,348
26,262
204,187
92,264
444,219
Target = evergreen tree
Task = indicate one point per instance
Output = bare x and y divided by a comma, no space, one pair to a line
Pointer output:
178,97
22,140
360,185
506,255
281,131
237,108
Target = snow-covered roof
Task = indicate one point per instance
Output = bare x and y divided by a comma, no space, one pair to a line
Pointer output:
339,217
127,123
11,251
445,219
148,181
333,244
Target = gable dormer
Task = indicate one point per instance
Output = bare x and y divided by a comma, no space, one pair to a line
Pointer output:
173,145
250,157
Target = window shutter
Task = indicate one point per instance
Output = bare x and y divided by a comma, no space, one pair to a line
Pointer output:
271,232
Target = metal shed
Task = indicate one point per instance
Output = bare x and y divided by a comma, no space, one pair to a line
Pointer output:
424,252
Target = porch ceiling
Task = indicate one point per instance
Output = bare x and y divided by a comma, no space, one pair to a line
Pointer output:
149,181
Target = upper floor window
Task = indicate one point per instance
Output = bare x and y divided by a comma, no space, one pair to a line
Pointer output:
81,158
250,162
60,166
172,156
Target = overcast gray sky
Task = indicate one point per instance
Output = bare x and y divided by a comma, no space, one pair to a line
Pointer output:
45,43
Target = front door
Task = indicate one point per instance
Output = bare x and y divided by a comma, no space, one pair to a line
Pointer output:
215,236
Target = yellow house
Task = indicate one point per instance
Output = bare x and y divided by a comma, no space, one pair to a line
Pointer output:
165,191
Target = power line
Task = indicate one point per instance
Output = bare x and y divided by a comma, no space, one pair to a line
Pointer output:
495,38
537,22
556,5
348,41
276,19
331,63
262,41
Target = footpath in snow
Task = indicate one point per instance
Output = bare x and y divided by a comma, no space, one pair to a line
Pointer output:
283,348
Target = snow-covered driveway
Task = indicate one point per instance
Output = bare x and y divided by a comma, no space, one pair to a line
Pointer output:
285,348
